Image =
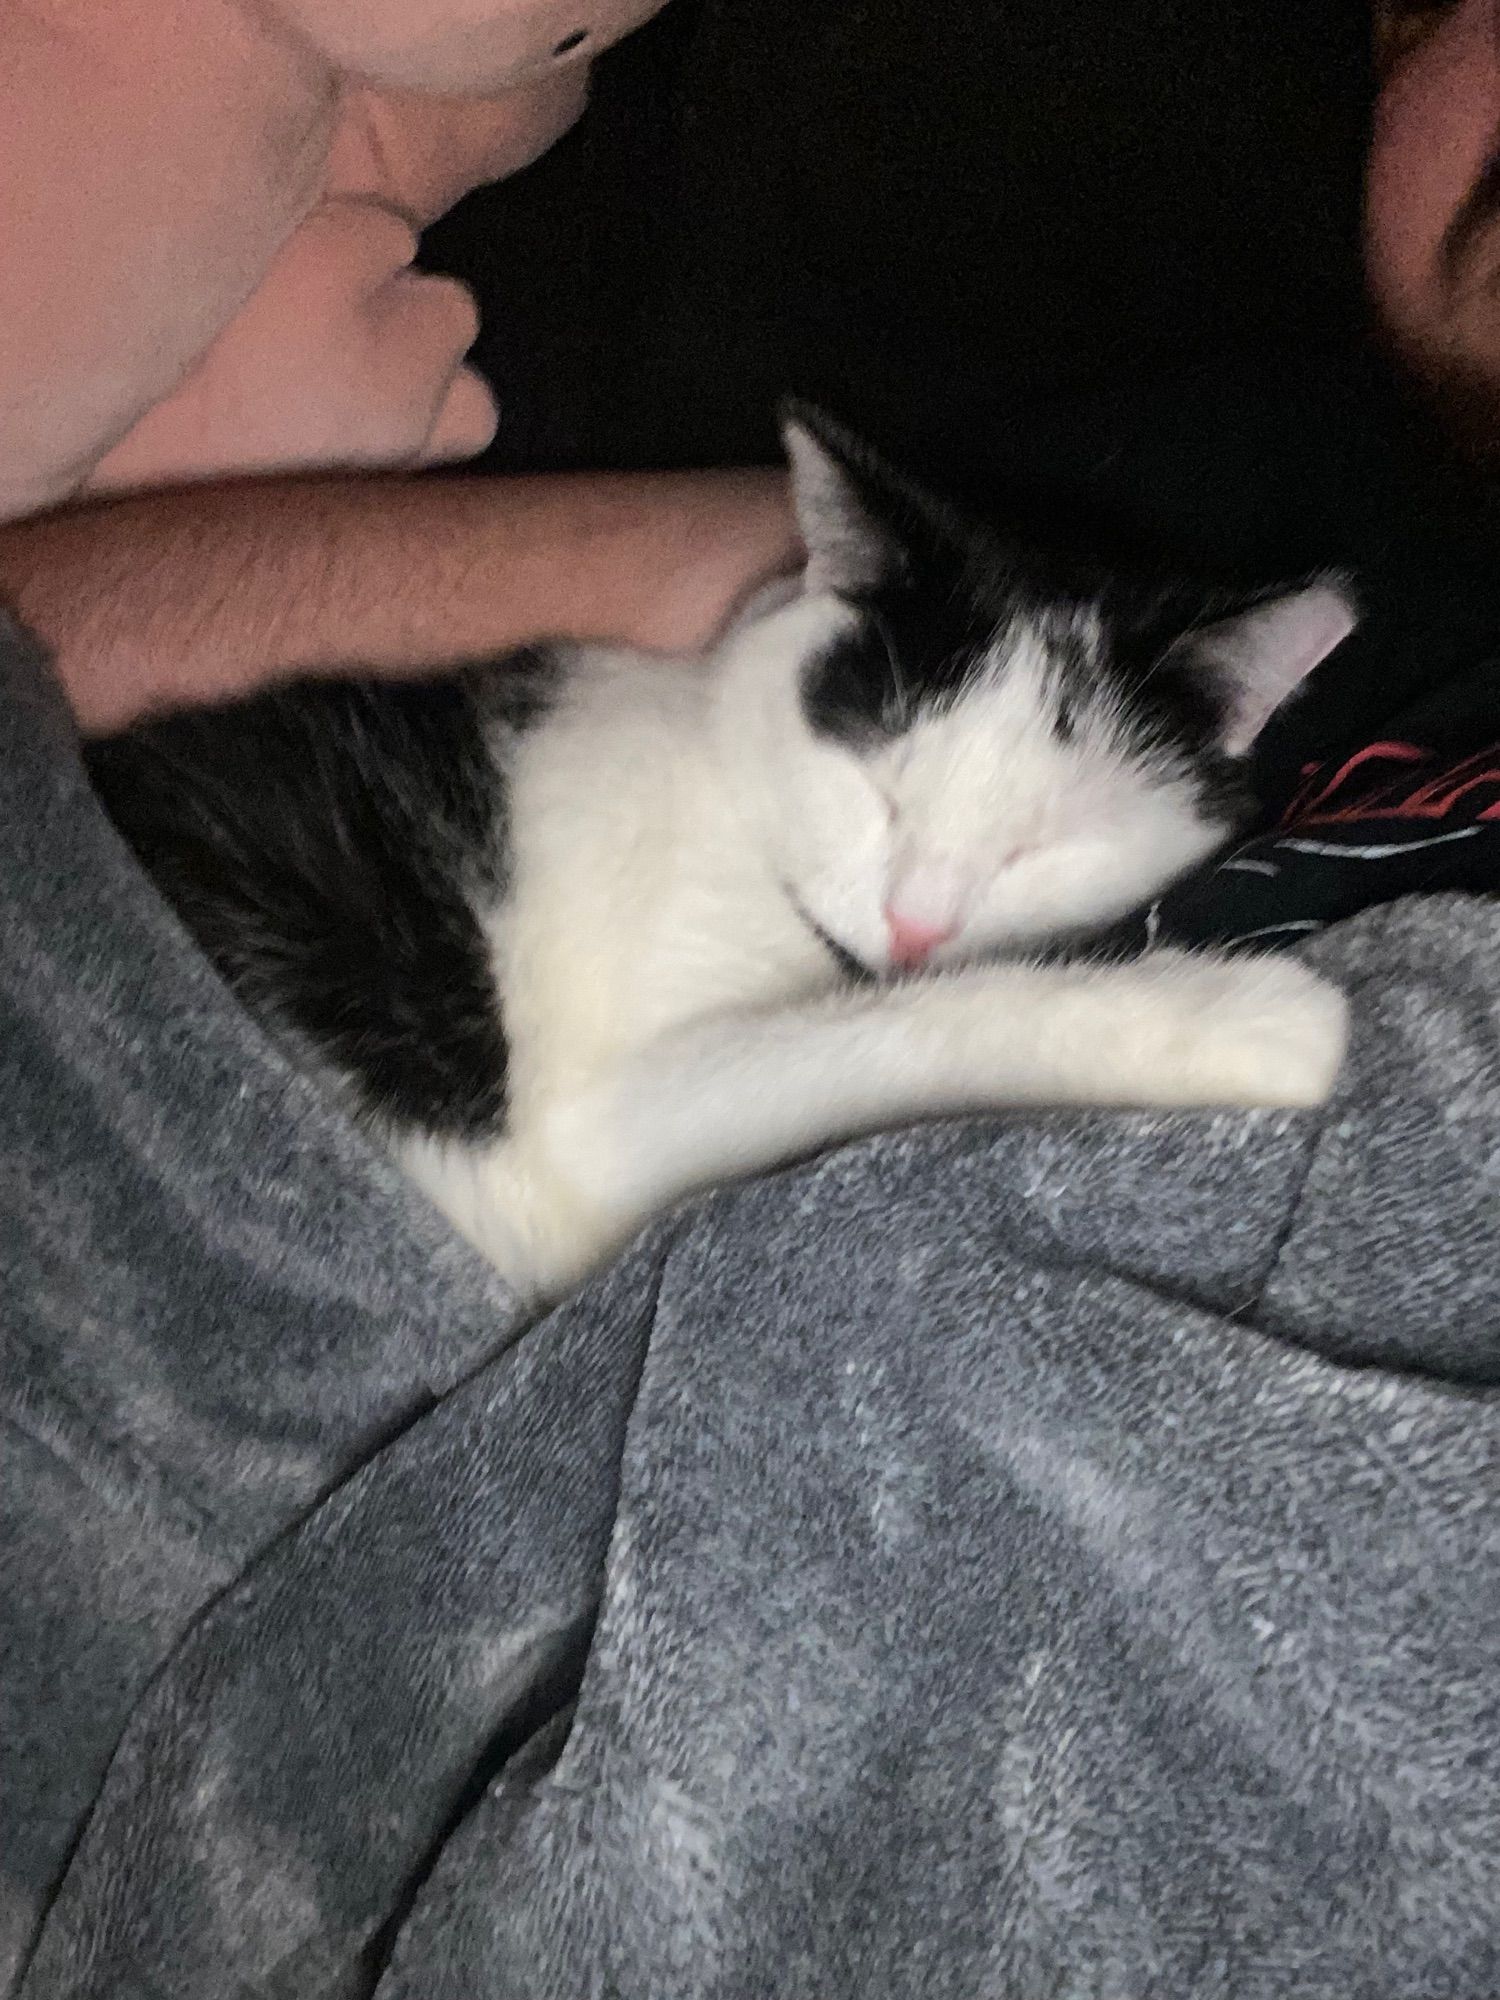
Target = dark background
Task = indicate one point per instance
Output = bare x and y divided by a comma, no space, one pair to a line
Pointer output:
1091,264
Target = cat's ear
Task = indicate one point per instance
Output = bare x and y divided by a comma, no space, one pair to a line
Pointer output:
845,503
1258,658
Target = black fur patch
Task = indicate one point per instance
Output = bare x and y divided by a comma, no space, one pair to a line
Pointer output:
322,843
952,590
518,691
954,597
913,649
1168,696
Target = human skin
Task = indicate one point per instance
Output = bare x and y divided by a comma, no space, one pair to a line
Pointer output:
116,273
170,599
221,203
1433,214
160,156
174,599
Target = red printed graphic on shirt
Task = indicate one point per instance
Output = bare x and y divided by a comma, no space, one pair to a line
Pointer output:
1397,781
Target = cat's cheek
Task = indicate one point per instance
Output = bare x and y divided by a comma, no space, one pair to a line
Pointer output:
850,915
846,880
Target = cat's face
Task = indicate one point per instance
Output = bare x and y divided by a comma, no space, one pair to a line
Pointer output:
1007,810
942,755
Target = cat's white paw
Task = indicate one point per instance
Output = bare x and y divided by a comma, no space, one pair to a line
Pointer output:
1253,1031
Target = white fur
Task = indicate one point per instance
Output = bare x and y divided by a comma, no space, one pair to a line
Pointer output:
674,1021
976,816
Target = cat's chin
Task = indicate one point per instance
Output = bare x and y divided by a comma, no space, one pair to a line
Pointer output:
880,969
853,964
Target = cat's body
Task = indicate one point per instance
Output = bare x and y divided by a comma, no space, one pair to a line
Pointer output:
584,931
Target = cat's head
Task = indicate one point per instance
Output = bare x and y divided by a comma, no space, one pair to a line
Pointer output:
947,746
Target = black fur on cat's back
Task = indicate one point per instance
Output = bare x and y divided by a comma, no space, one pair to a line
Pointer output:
324,844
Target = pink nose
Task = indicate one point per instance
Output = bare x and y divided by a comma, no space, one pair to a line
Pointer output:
913,942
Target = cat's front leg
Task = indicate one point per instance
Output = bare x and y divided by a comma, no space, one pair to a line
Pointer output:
1203,1029
742,1094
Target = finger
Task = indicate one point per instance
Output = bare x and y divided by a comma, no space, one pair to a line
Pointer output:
465,423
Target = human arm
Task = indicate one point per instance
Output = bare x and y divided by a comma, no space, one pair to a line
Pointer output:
201,593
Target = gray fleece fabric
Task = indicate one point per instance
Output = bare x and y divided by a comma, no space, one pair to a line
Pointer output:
1036,1558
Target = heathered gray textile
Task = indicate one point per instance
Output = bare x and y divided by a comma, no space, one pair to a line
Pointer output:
1049,1558
214,1299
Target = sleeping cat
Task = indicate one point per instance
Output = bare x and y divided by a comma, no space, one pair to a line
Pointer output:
583,930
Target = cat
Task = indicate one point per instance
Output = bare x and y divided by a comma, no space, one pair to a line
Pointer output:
582,930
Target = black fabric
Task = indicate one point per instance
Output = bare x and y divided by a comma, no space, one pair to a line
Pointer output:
1093,268
1415,806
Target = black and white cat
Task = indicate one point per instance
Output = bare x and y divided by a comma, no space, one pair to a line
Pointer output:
584,930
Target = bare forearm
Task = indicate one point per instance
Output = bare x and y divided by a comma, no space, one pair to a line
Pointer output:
192,596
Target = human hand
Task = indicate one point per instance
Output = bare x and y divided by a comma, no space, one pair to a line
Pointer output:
344,356
169,150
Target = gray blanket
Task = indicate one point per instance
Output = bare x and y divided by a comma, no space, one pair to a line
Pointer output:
1050,1558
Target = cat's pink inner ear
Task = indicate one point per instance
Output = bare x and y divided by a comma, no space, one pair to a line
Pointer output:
846,548
1266,654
